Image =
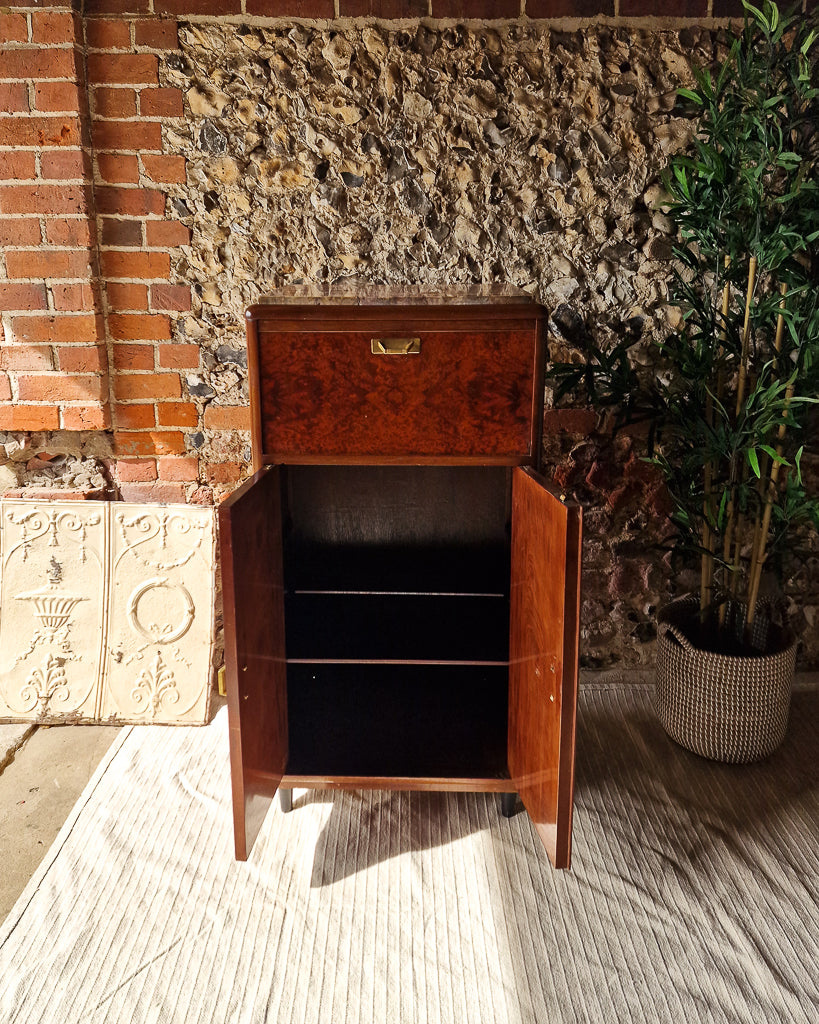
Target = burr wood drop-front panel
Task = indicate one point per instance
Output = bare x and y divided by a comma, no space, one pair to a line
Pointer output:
358,394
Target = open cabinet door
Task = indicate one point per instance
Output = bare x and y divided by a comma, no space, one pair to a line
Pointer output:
543,656
250,537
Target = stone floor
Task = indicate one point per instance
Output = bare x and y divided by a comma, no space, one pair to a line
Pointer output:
42,772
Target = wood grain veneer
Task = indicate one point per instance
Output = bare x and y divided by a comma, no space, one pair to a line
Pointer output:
467,395
256,676
371,640
543,656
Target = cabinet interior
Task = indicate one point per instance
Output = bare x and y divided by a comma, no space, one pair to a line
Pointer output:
397,619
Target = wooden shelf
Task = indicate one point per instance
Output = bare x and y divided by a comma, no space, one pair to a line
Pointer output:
397,627
394,569
397,720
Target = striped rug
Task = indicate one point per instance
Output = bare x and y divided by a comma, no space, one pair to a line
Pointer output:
693,894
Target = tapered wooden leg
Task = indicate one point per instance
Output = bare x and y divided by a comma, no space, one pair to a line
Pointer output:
285,799
509,803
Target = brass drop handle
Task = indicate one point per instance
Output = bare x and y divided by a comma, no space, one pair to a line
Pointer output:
395,346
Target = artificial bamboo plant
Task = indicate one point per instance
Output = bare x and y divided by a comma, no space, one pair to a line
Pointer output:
734,388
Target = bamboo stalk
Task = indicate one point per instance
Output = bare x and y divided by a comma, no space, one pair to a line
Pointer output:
707,565
760,554
746,334
766,462
708,537
739,543
741,383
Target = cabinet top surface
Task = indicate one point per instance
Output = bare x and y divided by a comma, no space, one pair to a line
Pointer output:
363,293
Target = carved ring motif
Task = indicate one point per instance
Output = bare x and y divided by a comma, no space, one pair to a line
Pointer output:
157,632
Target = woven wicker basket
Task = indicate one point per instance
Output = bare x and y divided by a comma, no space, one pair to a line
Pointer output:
725,707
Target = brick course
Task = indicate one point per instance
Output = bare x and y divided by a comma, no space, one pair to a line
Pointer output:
53,28
123,69
127,296
171,297
38,63
86,417
56,330
114,102
72,232
16,165
162,234
149,442
29,417
54,96
25,263
135,470
48,249
158,34
108,34
74,296
146,265
64,165
177,414
85,359
160,103
13,28
146,386
133,357
39,131
13,97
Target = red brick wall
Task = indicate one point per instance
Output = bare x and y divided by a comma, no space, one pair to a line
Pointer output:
85,301
53,362
128,110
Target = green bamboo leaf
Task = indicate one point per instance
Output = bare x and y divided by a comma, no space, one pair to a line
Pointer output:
722,507
774,455
747,183
758,16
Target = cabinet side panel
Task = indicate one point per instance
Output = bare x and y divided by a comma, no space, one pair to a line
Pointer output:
252,334
252,582
544,618
539,375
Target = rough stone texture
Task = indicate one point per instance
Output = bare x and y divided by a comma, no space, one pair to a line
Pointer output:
54,472
435,155
443,154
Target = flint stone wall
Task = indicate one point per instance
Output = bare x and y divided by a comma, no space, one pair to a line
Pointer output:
446,154
430,155
440,155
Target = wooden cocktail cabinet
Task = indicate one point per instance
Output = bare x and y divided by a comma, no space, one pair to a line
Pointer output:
401,586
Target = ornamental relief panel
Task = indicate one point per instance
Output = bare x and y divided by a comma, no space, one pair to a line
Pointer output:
162,566
106,611
52,608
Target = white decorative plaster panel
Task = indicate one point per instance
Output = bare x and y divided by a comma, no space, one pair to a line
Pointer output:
162,562
106,611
